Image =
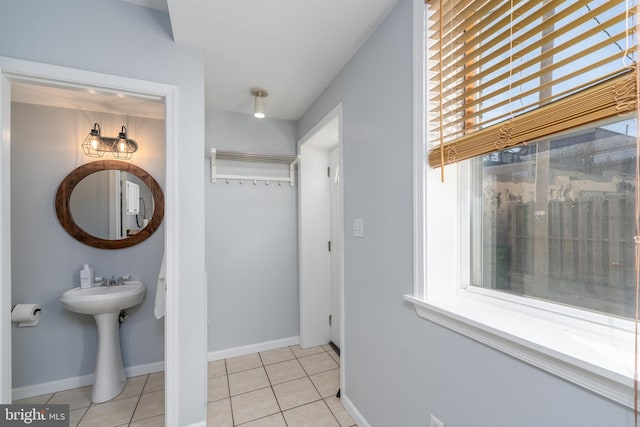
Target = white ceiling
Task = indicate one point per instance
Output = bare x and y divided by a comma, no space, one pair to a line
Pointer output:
83,99
292,48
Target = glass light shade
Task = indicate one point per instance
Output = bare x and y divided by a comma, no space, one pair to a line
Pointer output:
93,146
122,148
259,107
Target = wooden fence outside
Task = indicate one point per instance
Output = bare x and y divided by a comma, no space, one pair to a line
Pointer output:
590,244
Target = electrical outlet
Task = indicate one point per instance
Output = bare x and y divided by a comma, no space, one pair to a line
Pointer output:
435,422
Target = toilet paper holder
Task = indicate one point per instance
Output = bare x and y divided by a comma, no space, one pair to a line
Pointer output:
25,314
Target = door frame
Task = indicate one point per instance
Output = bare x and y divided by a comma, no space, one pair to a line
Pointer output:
34,72
336,255
311,329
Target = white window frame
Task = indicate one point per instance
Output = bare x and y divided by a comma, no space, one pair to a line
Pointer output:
592,350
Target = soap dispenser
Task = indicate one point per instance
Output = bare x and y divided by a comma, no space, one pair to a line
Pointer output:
86,277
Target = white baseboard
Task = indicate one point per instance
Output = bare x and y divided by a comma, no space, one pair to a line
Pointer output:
360,420
252,348
75,382
149,368
200,424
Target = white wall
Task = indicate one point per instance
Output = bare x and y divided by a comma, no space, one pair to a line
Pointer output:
64,33
46,260
251,236
401,368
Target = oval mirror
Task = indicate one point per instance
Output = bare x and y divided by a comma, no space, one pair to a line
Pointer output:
110,204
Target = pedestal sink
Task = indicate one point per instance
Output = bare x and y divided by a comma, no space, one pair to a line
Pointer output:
104,303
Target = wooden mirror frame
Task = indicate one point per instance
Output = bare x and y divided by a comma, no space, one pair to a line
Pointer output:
63,197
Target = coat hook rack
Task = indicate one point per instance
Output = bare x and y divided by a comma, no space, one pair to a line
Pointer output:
253,157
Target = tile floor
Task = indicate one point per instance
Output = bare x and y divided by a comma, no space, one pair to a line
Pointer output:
286,387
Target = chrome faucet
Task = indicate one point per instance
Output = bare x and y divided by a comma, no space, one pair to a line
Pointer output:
108,282
122,280
113,281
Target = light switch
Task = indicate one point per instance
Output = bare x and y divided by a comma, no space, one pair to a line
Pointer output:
358,227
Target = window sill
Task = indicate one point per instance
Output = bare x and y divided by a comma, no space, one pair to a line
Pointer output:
597,357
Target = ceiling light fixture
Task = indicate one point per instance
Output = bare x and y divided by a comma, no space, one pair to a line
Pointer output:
95,145
259,95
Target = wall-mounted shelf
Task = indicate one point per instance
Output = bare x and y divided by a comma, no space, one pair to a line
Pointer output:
252,157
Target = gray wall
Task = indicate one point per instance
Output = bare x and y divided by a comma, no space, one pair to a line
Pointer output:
64,33
400,368
251,236
46,260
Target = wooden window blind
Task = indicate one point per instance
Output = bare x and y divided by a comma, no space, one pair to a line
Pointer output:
506,72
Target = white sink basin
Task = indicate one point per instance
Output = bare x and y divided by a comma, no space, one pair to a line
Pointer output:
105,304
103,299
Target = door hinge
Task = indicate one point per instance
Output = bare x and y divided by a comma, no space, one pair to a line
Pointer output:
329,245
329,320
328,172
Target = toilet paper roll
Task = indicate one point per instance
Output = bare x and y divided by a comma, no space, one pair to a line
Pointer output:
26,314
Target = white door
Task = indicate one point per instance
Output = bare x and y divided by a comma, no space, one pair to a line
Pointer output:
336,244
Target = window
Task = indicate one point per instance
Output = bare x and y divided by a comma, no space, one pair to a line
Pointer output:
527,244
555,219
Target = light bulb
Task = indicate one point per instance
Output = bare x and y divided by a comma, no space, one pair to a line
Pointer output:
259,95
95,143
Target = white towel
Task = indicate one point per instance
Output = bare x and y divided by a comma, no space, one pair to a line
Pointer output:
161,290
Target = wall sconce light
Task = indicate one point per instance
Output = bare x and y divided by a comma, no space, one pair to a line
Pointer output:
259,95
95,145
123,148
92,144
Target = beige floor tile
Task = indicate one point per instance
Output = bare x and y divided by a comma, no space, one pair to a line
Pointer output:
76,415
311,415
242,363
133,388
327,383
275,420
253,402
250,380
155,382
218,388
339,412
149,422
150,405
112,413
278,355
219,414
302,352
317,363
76,398
330,350
217,368
34,400
295,393
253,405
285,371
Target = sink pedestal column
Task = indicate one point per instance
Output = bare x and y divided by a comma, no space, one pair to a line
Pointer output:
109,379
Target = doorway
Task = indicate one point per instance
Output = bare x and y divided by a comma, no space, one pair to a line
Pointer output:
12,71
321,234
